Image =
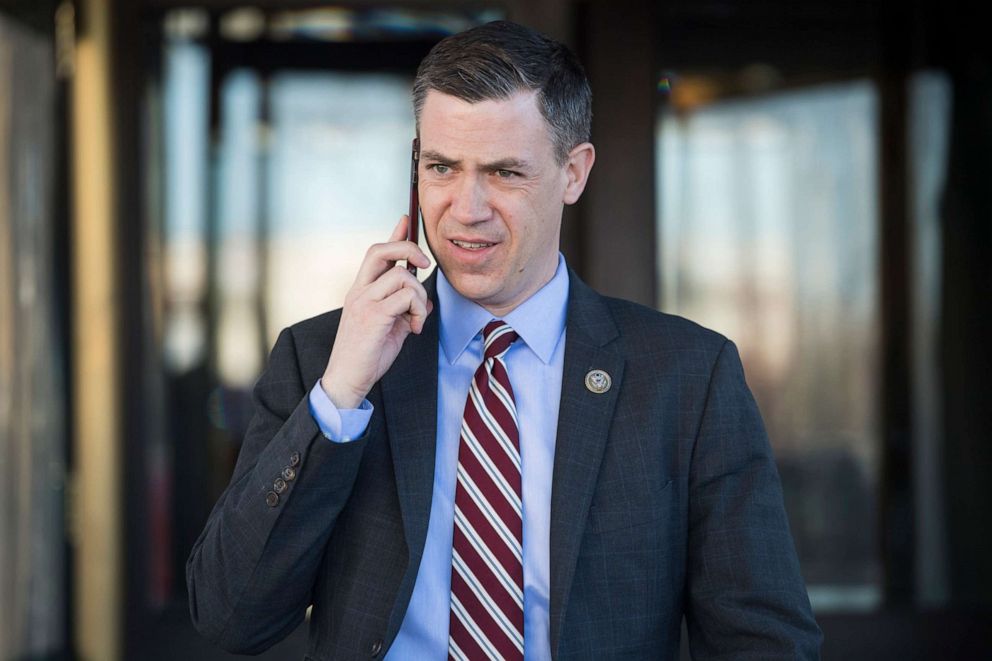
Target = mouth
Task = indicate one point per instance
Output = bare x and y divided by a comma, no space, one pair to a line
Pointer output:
472,245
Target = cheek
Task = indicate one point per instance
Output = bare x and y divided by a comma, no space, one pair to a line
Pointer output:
430,211
430,195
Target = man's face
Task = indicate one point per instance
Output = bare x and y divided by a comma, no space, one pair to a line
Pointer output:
491,195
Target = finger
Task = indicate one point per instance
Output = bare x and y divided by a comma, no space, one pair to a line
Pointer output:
418,315
399,232
383,256
406,303
392,281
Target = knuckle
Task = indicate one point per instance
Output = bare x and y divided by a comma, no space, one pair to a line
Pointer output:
375,249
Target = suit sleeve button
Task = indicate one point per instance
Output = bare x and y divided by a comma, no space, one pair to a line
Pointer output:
279,485
294,459
289,474
272,499
375,648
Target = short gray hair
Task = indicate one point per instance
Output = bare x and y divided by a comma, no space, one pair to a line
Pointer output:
496,60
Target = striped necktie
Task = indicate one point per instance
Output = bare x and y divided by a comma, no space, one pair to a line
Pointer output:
487,577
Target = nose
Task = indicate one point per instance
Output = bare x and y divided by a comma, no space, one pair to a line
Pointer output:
470,203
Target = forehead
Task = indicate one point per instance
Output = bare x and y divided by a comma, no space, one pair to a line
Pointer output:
489,129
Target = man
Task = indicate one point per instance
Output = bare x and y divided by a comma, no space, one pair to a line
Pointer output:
500,463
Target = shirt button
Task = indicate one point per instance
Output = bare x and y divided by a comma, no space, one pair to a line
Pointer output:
375,648
288,474
294,459
272,499
279,485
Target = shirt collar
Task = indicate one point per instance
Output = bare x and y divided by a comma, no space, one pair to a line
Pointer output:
539,321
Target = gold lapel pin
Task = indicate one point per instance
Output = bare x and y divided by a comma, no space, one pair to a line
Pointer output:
598,381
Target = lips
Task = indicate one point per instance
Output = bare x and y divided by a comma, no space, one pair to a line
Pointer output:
472,245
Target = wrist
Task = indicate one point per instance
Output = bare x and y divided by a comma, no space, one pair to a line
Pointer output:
341,397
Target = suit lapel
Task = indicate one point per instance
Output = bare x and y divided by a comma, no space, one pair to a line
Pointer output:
584,421
409,398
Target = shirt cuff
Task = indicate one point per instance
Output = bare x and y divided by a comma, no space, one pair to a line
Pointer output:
338,425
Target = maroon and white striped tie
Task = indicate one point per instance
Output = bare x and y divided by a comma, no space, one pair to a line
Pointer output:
487,576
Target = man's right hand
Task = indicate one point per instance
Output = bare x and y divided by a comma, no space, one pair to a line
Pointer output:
384,305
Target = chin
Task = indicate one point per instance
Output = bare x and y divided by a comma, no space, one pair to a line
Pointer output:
475,287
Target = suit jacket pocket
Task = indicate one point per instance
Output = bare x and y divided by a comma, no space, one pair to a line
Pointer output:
606,518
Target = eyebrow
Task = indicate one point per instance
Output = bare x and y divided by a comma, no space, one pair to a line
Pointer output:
501,164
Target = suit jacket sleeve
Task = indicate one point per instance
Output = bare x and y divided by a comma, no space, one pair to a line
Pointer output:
746,596
251,571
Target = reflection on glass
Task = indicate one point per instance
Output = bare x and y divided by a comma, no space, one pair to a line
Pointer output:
767,233
186,88
240,350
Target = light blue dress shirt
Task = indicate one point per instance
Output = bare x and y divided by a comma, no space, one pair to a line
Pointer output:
534,363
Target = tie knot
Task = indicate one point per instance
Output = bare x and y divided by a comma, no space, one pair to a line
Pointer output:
497,338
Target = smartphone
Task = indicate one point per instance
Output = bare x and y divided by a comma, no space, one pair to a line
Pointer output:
413,226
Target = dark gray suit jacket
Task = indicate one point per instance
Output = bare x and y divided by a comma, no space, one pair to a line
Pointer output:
665,502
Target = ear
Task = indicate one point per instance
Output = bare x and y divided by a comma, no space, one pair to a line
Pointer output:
577,169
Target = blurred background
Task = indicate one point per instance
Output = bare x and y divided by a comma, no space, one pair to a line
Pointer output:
180,179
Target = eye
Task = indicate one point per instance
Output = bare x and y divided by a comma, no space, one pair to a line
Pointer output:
439,168
505,174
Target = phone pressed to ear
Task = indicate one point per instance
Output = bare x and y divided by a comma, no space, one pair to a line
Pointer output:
413,224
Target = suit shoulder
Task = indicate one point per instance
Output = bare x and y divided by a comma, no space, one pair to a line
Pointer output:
307,343
320,329
640,325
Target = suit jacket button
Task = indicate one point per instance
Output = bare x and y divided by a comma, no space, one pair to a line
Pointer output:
272,499
288,474
294,459
375,648
279,485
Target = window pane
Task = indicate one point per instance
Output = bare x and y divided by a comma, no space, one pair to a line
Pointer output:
767,233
